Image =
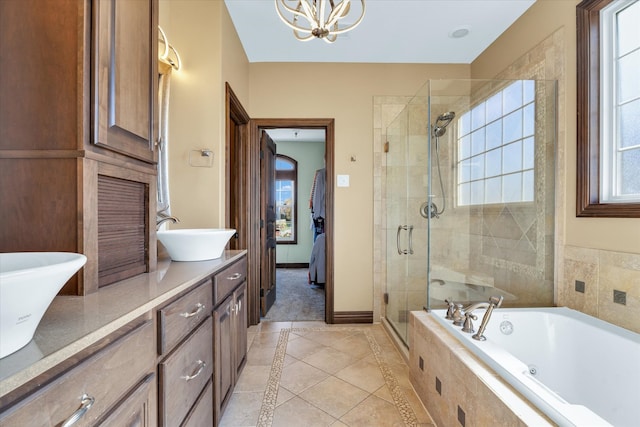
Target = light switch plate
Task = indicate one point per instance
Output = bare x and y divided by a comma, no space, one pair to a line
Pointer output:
343,180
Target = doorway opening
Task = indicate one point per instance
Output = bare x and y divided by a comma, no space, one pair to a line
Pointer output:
315,277
299,224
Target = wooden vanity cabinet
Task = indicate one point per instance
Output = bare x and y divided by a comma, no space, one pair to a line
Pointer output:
118,374
79,103
229,330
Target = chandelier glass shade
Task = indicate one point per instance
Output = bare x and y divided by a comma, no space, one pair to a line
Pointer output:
320,19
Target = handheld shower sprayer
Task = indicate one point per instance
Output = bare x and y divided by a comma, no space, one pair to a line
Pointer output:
429,209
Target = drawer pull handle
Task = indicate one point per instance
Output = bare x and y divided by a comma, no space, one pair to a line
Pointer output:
234,276
198,372
199,308
86,402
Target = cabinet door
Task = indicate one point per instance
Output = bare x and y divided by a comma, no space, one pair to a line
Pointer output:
223,348
240,328
125,78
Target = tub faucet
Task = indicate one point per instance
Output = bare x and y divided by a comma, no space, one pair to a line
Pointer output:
494,302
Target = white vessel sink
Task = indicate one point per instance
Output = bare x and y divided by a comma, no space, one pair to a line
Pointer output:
196,244
28,283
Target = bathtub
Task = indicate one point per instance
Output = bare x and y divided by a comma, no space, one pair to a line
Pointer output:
576,369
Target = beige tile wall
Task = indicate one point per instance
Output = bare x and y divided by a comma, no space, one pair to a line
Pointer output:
602,272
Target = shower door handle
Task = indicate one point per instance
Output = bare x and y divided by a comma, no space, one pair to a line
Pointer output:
410,240
400,228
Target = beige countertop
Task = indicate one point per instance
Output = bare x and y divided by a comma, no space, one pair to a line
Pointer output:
73,323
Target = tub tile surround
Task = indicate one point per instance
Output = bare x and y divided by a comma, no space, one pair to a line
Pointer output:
466,384
602,272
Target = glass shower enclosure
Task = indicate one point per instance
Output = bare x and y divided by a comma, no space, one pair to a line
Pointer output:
468,193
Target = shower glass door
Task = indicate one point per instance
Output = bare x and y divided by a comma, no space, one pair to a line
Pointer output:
406,183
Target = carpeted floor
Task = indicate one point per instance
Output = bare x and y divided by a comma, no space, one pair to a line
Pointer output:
295,299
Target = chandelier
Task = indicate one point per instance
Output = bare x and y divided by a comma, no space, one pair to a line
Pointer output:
312,19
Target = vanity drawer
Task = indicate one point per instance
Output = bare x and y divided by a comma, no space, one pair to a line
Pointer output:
184,374
228,279
179,318
105,377
202,412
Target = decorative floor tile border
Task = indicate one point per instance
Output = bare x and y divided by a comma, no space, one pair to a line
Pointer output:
270,398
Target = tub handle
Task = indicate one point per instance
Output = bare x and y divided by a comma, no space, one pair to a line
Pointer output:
468,324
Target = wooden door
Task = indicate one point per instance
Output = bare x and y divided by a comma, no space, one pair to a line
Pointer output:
267,223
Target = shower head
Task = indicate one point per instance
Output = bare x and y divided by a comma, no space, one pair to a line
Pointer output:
442,122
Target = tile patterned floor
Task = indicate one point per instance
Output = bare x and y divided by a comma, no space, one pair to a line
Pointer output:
313,374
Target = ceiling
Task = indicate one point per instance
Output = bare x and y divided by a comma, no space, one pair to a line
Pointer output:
392,31
296,135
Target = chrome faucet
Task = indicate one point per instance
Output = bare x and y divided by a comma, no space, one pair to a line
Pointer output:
494,302
161,221
162,217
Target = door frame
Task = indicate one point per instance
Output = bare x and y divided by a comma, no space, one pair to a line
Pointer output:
255,128
246,179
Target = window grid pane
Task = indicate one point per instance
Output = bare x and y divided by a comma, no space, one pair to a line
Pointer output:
496,148
620,160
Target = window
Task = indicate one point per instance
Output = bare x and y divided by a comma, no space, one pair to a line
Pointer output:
286,199
608,47
496,148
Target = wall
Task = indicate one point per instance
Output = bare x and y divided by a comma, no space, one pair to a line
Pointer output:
344,92
211,54
602,252
310,157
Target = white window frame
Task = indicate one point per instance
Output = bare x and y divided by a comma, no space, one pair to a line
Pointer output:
610,143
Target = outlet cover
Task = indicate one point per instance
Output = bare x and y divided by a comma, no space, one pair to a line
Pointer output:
343,180
580,286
